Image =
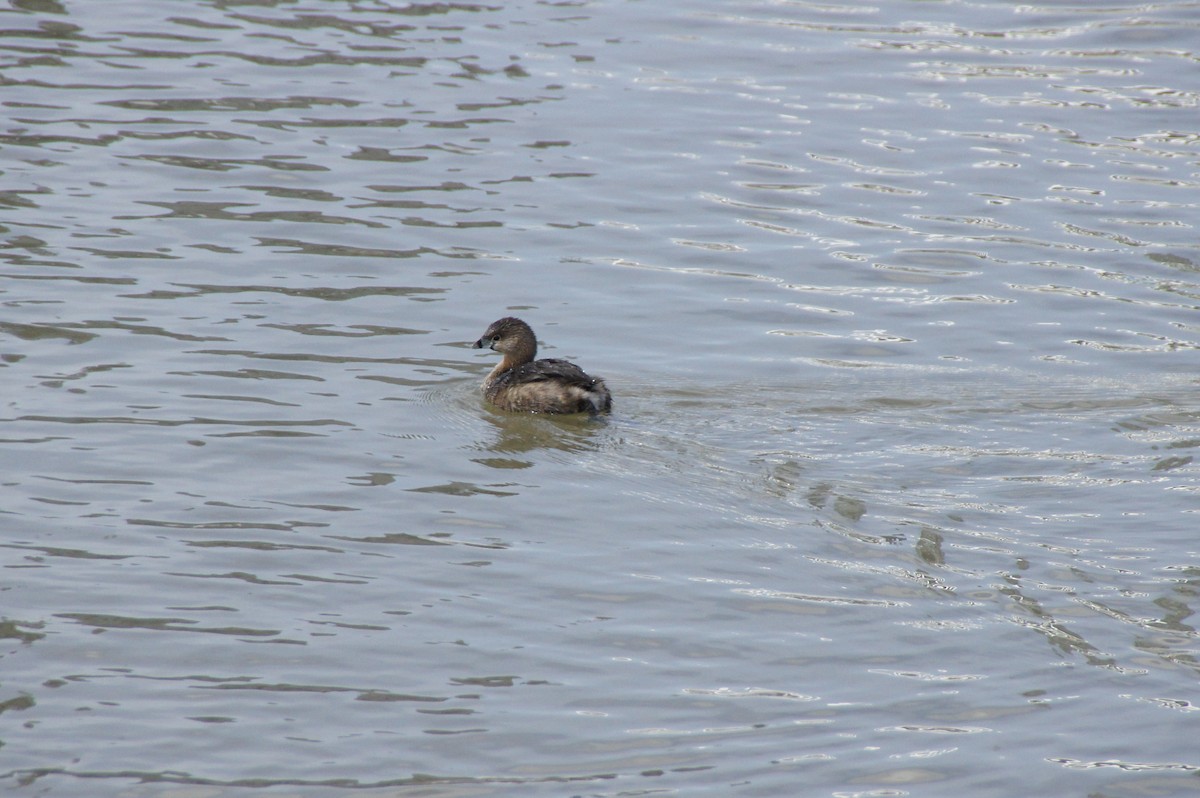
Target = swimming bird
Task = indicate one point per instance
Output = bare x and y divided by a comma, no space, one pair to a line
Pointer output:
525,385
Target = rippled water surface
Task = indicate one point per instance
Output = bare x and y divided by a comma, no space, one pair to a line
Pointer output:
898,303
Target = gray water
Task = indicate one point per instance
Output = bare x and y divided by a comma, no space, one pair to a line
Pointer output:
898,303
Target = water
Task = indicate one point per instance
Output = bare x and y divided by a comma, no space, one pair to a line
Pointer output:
898,306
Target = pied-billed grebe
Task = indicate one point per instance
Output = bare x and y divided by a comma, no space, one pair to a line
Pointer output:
537,386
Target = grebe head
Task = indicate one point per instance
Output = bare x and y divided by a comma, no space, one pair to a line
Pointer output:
511,337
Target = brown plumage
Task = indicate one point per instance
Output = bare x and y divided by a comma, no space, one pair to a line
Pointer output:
521,383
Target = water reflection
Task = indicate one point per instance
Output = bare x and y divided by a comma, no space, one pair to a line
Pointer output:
514,433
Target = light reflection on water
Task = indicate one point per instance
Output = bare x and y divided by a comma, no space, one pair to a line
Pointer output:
897,304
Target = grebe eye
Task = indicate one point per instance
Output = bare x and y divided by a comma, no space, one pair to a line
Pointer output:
495,337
